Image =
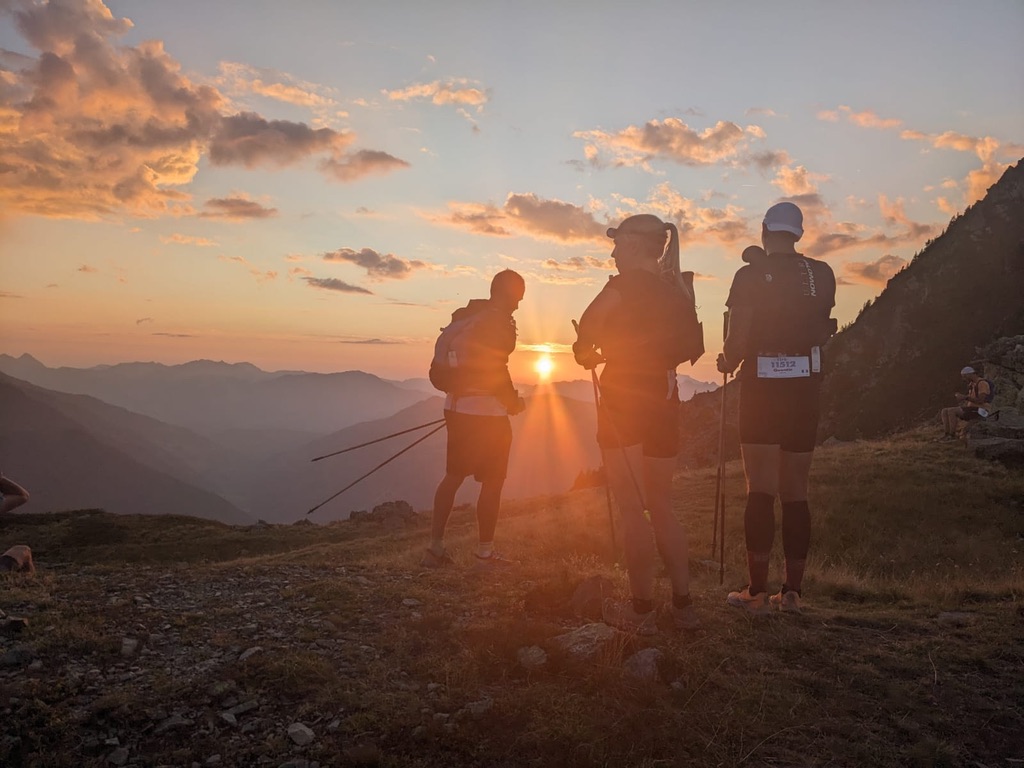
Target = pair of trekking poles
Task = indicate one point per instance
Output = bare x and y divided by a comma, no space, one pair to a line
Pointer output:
718,522
718,531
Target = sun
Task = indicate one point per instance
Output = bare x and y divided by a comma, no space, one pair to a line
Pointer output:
544,365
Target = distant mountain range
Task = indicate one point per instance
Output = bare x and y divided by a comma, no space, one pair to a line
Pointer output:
233,443
75,452
214,397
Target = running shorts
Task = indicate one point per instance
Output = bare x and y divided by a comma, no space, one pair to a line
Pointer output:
478,446
782,412
632,417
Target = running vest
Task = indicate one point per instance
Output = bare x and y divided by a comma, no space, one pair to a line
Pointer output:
471,353
972,392
649,329
792,297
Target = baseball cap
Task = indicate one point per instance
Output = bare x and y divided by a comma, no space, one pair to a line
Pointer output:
785,217
640,224
967,370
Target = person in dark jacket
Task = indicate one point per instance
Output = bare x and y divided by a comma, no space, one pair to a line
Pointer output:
779,307
631,327
476,412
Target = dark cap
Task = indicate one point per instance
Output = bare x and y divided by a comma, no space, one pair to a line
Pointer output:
641,224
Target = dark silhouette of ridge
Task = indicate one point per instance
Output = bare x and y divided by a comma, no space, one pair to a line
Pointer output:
899,362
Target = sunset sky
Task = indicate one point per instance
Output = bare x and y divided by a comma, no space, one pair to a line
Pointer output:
318,185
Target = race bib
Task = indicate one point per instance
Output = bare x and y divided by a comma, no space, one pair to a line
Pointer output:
783,367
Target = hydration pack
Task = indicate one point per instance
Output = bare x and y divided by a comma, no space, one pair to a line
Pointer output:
452,353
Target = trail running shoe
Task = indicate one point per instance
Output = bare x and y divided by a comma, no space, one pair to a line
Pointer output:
685,618
620,614
494,562
754,604
787,601
430,560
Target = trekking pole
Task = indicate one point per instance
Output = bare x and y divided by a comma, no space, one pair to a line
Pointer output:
719,517
383,463
378,440
604,468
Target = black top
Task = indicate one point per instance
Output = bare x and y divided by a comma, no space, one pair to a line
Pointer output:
792,297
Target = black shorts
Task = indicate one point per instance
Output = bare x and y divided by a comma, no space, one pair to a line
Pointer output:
478,446
782,412
644,416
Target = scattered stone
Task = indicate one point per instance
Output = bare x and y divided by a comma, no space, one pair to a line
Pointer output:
250,652
229,718
643,665
531,657
17,657
585,642
36,665
955,619
831,442
586,600
129,645
213,760
419,731
434,687
334,726
171,723
245,706
300,734
118,757
411,602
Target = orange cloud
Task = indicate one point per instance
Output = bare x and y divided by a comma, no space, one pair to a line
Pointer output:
988,150
334,284
89,127
877,272
379,266
670,139
274,85
236,209
865,119
442,93
361,163
797,181
526,214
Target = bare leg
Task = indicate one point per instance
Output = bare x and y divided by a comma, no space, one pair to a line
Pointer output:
639,545
668,531
444,499
487,505
13,494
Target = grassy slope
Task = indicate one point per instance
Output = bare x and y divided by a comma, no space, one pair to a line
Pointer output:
903,530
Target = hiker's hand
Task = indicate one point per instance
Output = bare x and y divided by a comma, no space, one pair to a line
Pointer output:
586,355
723,365
517,407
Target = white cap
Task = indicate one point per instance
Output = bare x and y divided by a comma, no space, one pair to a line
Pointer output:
966,370
785,217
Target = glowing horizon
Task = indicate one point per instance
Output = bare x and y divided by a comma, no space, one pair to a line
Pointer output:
212,183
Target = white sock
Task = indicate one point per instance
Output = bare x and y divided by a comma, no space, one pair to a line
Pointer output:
484,549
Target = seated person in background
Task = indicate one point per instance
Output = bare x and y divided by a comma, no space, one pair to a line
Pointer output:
17,559
970,406
12,495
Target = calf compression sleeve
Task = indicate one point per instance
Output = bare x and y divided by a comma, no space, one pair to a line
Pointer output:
796,540
759,527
